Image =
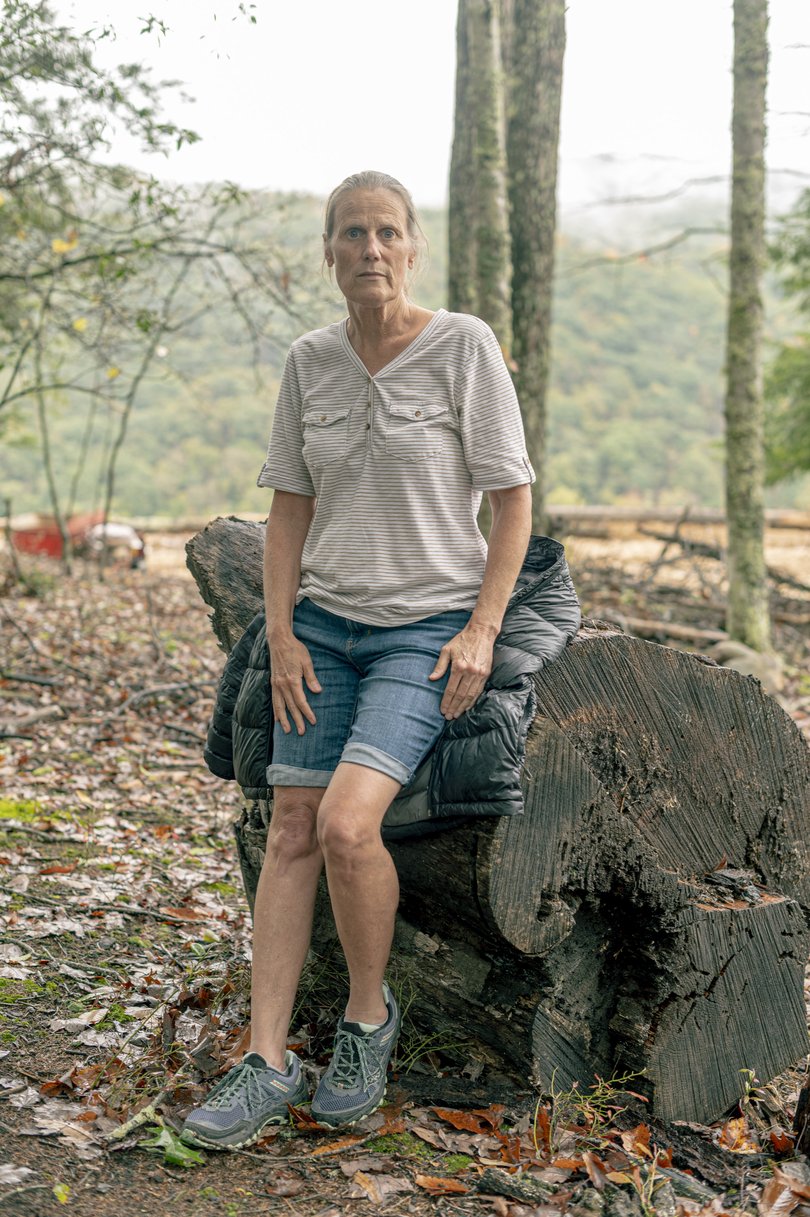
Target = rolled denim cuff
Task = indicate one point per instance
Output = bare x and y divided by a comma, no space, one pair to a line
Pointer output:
374,758
291,775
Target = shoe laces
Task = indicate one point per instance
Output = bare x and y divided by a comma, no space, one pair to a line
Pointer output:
355,1054
241,1080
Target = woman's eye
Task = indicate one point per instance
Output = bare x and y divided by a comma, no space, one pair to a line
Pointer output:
353,233
388,234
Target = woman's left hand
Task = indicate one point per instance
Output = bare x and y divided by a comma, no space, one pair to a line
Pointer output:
469,657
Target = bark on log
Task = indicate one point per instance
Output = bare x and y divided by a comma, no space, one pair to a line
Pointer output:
648,913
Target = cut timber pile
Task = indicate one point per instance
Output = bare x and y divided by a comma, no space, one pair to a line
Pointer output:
648,914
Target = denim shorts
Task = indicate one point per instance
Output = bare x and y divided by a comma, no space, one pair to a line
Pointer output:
377,707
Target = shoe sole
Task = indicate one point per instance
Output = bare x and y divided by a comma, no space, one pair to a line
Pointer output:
193,1138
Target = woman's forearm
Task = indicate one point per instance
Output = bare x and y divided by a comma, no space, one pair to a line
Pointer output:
469,654
508,540
287,526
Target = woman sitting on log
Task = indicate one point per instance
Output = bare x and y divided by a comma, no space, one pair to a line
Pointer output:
383,604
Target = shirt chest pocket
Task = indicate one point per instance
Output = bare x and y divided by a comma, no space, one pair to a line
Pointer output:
325,436
416,430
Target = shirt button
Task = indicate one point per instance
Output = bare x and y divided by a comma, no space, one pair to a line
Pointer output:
323,418
417,413
368,426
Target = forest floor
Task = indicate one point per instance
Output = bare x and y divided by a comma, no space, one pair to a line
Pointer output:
125,943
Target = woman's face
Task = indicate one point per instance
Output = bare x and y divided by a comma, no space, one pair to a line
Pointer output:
370,247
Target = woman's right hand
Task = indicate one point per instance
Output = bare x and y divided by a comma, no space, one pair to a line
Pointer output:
290,669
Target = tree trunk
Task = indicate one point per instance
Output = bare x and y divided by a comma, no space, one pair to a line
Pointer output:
537,46
748,618
647,912
479,227
462,285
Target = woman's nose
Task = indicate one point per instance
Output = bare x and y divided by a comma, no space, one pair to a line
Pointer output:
372,249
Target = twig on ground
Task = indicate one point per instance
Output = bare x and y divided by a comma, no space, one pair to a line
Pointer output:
38,650
31,1187
195,735
158,691
326,1153
39,833
191,763
28,678
91,906
15,727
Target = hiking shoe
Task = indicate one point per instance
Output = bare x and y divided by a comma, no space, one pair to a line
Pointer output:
244,1102
354,1082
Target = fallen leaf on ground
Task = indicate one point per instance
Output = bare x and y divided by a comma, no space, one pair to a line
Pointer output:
441,1187
637,1140
379,1187
733,1137
781,1141
379,1162
777,1200
185,914
332,1147
285,1183
796,1176
542,1130
595,1169
175,1152
472,1121
9,1173
432,1136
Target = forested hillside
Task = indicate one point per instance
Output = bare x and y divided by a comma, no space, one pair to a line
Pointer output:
635,402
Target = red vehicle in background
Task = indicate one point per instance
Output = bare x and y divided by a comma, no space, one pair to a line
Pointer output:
89,536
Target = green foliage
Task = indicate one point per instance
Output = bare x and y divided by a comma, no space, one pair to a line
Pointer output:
787,383
197,435
20,809
104,269
174,1152
635,402
787,425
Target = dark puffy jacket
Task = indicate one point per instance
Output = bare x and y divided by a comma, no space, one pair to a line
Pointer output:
474,768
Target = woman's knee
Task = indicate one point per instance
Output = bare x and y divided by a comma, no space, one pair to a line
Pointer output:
343,835
293,829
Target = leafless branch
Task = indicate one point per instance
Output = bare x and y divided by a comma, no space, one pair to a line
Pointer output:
650,251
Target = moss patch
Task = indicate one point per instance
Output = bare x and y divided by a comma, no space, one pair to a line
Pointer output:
20,809
403,1143
224,889
455,1163
29,811
18,990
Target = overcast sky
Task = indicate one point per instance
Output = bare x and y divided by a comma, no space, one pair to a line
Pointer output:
317,89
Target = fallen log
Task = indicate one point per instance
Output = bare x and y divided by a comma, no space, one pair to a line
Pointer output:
648,912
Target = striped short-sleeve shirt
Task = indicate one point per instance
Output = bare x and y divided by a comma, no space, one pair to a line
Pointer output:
397,463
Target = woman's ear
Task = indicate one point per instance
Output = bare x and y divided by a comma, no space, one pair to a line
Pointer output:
327,253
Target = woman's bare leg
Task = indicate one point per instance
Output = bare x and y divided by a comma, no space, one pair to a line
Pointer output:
362,879
282,918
